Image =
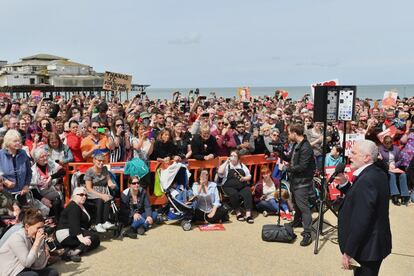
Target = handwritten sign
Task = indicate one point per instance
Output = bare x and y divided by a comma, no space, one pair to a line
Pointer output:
117,82
351,138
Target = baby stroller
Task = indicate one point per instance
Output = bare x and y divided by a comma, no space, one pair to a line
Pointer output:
174,183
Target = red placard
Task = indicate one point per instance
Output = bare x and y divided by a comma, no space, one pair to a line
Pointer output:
333,192
212,227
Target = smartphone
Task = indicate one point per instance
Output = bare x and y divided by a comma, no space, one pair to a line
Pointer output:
101,130
202,98
228,100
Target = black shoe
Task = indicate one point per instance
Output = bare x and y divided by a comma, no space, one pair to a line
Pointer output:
141,230
395,201
294,224
69,255
307,240
130,233
405,200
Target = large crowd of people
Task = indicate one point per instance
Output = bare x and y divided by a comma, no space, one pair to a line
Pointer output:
40,137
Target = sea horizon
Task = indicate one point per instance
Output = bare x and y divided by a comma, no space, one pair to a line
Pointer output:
375,91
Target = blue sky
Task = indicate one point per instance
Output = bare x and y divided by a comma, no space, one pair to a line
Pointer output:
180,43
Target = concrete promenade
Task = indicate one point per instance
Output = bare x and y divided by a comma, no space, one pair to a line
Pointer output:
239,250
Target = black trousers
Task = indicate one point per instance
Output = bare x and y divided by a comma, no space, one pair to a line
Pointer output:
73,242
47,271
220,215
235,192
102,209
368,268
300,198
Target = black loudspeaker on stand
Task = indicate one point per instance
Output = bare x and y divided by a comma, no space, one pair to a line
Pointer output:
331,104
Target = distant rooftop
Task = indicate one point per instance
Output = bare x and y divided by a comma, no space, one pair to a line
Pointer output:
44,57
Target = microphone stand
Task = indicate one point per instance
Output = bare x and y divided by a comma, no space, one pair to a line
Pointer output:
323,204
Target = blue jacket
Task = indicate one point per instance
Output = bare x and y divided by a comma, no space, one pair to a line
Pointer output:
23,169
331,161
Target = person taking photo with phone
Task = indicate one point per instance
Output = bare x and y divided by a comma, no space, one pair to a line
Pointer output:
98,141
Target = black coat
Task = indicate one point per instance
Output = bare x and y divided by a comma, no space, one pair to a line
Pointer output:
363,224
201,148
74,219
163,150
301,164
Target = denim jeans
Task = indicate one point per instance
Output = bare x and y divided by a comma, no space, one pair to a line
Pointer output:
403,185
271,206
142,221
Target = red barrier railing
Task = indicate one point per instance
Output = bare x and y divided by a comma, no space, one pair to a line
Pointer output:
253,162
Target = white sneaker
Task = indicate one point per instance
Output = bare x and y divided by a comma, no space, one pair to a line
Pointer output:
99,228
107,225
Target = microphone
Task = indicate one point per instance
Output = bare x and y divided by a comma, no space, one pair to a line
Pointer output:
340,168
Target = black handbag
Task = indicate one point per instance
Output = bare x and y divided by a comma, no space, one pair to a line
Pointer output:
277,232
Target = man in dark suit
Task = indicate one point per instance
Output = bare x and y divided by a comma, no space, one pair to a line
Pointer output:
363,224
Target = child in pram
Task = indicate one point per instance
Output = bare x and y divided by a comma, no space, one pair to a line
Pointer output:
174,182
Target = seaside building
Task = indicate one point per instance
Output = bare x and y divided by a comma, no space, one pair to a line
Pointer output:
48,70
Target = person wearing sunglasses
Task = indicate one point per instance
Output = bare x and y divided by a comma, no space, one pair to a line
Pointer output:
122,143
96,140
136,209
72,231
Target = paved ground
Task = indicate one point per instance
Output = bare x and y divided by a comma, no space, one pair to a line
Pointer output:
238,250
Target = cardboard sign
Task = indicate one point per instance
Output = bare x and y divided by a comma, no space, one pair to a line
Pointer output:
351,138
333,192
389,100
334,82
117,82
212,227
244,94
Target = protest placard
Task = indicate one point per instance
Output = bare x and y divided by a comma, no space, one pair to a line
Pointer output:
351,138
391,131
389,100
333,192
244,93
117,82
36,95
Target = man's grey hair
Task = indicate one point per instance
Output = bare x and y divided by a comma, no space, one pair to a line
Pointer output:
368,147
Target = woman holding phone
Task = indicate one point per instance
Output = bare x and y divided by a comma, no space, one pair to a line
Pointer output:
236,177
141,144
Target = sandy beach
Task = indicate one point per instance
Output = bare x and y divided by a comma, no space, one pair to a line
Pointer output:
239,250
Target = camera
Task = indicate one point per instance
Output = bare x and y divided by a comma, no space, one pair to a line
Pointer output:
202,98
277,146
197,91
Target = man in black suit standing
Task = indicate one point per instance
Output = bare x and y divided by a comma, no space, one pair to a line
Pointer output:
363,224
